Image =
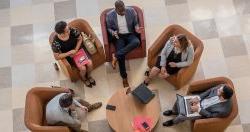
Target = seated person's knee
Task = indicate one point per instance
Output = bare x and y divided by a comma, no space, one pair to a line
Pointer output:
82,68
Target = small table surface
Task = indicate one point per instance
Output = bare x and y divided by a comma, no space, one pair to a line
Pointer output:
127,107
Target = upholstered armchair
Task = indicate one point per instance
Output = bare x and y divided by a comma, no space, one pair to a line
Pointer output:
139,52
34,116
98,58
186,73
213,124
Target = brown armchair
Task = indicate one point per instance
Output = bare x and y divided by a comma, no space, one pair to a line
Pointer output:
139,52
186,73
98,58
213,124
34,116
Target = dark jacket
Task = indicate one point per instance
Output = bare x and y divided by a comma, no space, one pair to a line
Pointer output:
131,18
222,109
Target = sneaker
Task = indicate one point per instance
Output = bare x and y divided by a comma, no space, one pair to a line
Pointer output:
168,123
94,106
167,112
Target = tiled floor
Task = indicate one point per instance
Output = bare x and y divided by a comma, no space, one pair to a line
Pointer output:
27,60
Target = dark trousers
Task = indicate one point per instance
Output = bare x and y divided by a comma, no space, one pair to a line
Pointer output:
123,45
181,118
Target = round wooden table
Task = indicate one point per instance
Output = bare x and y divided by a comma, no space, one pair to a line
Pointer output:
127,107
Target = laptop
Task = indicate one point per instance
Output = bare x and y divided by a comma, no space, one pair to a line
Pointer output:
143,93
184,107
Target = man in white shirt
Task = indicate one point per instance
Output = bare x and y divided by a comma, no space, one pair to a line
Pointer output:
63,110
122,26
215,102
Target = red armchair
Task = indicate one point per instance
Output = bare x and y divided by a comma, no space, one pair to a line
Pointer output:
139,52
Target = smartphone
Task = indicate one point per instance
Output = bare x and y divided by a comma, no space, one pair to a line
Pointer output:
145,125
110,107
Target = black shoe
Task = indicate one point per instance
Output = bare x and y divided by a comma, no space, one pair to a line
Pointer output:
145,83
146,73
168,113
87,83
168,123
92,81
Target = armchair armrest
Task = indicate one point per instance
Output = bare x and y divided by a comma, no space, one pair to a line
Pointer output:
66,67
46,93
206,124
202,85
37,128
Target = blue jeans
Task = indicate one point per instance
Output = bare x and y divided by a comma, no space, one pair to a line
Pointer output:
123,45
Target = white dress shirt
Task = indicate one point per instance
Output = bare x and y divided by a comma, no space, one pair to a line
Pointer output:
122,24
210,101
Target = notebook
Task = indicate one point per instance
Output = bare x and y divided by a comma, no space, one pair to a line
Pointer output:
143,93
81,58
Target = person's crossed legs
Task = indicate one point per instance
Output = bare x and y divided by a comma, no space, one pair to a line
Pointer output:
124,45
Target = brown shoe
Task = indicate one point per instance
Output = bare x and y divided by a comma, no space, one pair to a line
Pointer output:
125,83
114,61
94,106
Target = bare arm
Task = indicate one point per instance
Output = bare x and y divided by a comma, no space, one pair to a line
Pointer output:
79,42
59,56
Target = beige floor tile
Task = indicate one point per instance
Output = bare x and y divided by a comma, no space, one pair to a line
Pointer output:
228,26
244,108
235,44
21,12
235,128
18,72
6,100
238,66
43,52
5,18
246,39
245,24
199,74
6,121
5,77
242,90
47,14
19,3
203,9
5,52
153,33
212,60
22,54
175,15
18,97
155,15
5,37
46,72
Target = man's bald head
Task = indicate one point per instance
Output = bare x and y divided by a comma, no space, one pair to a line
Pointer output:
120,7
119,3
